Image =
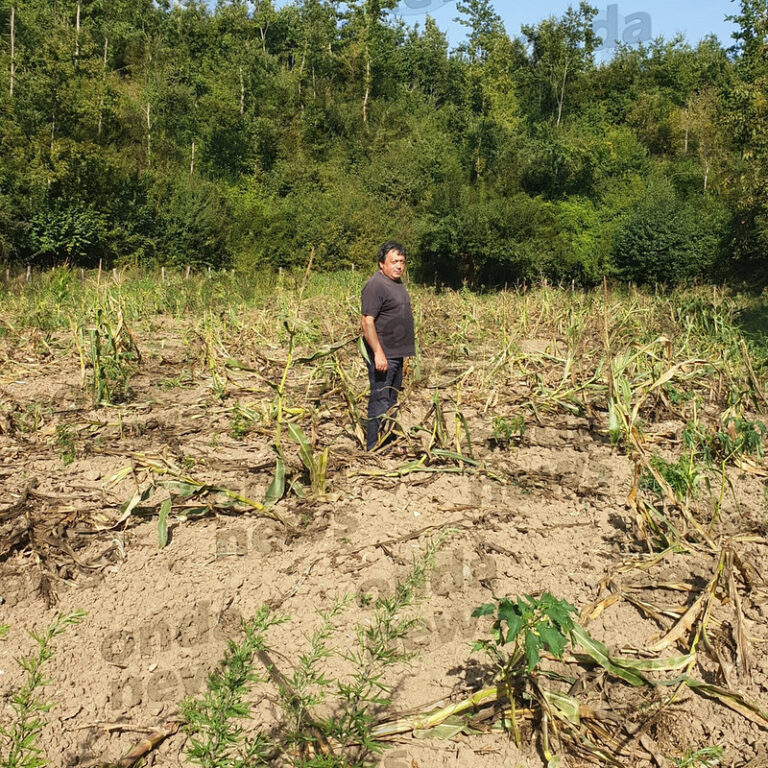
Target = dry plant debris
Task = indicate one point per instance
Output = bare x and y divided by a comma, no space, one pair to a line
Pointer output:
166,446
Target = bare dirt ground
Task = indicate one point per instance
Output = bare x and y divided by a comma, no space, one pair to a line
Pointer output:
551,513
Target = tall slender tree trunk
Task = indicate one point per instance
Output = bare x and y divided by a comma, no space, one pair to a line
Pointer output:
13,48
367,83
192,160
103,85
77,34
561,95
242,92
149,137
301,70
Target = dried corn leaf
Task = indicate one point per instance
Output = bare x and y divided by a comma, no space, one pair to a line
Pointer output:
687,620
734,700
592,612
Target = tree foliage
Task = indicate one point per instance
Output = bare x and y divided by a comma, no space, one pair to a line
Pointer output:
242,133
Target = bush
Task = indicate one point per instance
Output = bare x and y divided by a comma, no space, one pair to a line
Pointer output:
481,240
68,233
320,206
493,241
192,223
665,239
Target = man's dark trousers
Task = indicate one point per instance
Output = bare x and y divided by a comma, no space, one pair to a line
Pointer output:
385,386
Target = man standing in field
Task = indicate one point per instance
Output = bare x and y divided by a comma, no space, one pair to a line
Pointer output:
389,336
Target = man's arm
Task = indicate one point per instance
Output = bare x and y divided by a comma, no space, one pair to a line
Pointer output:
370,335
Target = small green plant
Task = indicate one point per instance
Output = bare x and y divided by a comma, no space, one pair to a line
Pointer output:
240,424
708,757
110,351
736,437
741,437
678,396
683,476
65,444
506,430
622,418
183,380
214,354
315,462
532,624
215,737
19,741
28,418
342,735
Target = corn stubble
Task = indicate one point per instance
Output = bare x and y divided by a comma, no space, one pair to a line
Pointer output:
283,357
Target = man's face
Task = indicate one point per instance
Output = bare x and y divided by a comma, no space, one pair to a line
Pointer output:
393,265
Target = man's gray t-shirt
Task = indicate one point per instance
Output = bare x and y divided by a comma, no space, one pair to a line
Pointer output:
389,304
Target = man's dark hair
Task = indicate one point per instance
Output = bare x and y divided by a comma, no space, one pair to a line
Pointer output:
390,245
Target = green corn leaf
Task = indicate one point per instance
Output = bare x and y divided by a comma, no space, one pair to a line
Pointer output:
599,654
305,449
162,524
326,351
318,479
276,489
565,705
363,351
465,426
734,700
455,456
452,726
231,362
670,664
180,488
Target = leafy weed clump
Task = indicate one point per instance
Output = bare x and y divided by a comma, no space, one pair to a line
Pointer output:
507,431
338,734
19,739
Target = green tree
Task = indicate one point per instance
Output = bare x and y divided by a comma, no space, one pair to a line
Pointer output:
562,50
664,239
747,116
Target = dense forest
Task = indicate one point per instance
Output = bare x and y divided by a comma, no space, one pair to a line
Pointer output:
247,135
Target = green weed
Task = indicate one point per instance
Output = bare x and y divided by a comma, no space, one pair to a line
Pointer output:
683,477
532,624
216,738
508,429
339,736
30,417
65,444
708,757
183,380
19,740
239,423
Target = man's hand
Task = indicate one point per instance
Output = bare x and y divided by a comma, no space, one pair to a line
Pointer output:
369,333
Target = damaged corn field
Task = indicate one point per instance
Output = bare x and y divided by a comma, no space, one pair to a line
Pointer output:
561,562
